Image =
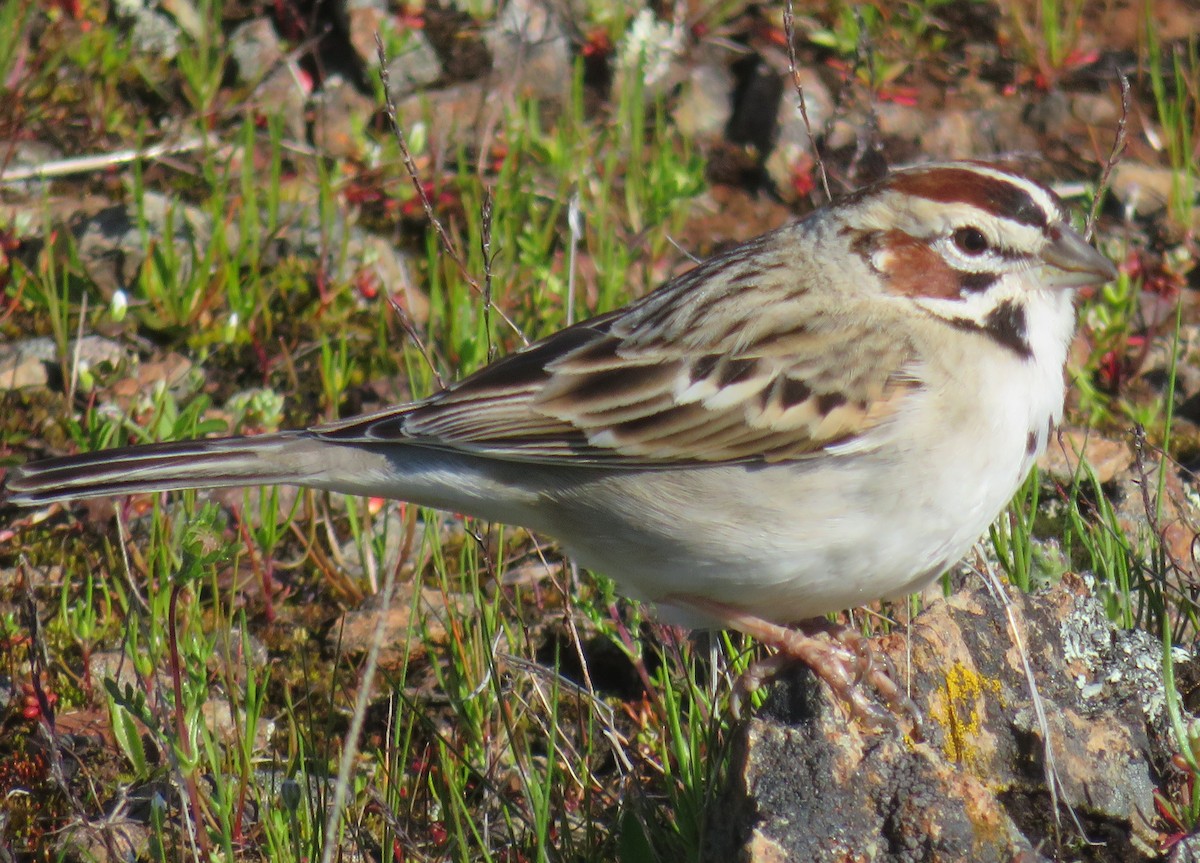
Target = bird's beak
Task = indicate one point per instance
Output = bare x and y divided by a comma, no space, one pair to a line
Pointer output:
1069,262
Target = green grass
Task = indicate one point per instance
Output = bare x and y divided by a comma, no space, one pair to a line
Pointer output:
1173,81
510,759
479,743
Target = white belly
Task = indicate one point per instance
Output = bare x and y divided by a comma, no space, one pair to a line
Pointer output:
878,520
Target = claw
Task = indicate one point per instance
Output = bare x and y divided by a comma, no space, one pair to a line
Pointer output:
842,657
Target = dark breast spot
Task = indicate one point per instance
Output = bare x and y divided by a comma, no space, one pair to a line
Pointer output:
1004,324
1031,443
1007,325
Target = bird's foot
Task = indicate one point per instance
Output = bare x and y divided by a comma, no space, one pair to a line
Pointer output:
842,657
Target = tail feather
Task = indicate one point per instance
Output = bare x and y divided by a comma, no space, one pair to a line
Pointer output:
215,463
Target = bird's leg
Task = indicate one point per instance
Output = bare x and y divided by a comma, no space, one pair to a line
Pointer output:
876,668
838,655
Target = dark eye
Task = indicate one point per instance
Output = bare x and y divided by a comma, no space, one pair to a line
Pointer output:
970,241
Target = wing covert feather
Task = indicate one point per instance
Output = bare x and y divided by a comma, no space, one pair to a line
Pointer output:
734,361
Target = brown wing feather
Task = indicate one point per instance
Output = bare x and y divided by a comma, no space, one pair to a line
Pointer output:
696,372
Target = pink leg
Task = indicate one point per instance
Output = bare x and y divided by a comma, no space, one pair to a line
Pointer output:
838,655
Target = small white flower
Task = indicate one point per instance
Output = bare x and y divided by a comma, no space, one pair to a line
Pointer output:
84,377
417,138
119,305
650,45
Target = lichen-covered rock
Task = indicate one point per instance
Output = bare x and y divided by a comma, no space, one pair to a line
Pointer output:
809,784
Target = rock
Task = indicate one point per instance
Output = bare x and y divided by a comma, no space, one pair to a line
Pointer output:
704,104
1049,112
1186,850
979,131
26,363
279,86
383,267
1174,519
350,254
99,353
450,115
413,67
151,32
1096,109
253,504
1142,189
363,19
341,115
531,51
237,649
412,61
792,151
133,391
114,665
951,134
113,249
285,93
411,621
901,122
1187,371
255,48
1179,353
997,126
724,215
1170,21
30,362
174,371
113,839
809,784
229,726
1105,457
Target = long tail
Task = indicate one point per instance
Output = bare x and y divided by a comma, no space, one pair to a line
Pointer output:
274,459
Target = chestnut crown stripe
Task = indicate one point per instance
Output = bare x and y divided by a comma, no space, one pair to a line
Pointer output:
1001,195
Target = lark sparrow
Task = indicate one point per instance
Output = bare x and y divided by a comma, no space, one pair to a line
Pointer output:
826,415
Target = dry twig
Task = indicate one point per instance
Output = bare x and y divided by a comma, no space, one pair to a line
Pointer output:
414,177
789,31
1114,157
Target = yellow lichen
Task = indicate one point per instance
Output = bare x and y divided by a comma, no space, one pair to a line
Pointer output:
959,710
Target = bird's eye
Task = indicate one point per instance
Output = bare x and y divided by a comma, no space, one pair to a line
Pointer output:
970,241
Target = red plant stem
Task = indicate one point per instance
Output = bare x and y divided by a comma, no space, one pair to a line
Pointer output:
185,744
